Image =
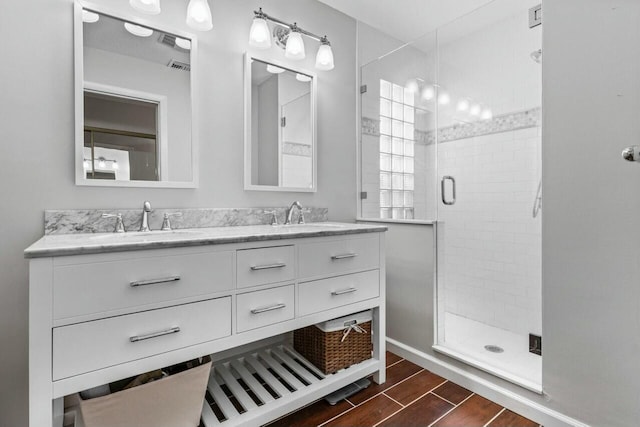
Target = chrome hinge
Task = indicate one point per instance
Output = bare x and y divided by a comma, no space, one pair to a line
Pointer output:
283,122
363,89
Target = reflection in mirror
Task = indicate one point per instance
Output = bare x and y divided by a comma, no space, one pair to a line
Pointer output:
280,128
136,120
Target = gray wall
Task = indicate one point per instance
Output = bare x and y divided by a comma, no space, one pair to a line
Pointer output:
37,139
591,239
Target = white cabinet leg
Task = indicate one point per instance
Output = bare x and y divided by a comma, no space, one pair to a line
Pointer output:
379,344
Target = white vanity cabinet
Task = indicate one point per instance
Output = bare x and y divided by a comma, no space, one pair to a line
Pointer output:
103,316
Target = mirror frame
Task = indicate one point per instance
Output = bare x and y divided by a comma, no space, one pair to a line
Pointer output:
248,56
80,85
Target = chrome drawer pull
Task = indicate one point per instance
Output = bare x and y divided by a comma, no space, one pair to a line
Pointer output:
344,291
137,338
270,308
154,281
344,256
267,267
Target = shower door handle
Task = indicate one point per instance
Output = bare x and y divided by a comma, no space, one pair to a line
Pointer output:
442,186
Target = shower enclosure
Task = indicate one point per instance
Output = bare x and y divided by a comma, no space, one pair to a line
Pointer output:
451,132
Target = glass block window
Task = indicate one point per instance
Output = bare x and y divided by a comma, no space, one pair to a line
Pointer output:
396,151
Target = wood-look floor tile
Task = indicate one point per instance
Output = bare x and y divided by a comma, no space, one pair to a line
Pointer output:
312,415
414,387
511,419
419,414
392,358
367,414
452,392
473,412
395,374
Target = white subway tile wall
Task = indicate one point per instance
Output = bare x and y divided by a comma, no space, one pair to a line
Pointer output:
490,242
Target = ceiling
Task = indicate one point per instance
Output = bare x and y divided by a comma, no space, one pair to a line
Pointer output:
405,20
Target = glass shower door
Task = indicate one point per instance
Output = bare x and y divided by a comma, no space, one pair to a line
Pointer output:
489,170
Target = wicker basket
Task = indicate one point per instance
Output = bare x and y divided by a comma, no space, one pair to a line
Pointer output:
326,351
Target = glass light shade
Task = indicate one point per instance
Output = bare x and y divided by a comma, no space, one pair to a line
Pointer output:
324,58
444,98
463,105
295,46
87,164
183,43
303,78
274,70
259,36
115,165
428,93
199,15
89,17
486,114
137,30
151,7
474,110
102,164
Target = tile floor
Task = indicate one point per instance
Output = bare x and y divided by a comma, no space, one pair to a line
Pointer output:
412,396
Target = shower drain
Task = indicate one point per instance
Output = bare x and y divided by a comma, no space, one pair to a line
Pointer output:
494,348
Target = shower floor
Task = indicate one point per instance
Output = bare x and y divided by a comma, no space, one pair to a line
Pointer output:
465,339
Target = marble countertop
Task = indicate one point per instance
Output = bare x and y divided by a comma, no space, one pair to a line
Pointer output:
93,243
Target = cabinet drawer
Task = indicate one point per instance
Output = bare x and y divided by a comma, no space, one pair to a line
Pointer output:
89,346
265,265
262,308
83,289
339,256
326,294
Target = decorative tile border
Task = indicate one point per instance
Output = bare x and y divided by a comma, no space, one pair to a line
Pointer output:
296,149
499,124
91,221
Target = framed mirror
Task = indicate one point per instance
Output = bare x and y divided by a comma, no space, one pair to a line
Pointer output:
134,85
280,127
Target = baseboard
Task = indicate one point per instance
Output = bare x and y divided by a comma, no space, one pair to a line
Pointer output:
502,396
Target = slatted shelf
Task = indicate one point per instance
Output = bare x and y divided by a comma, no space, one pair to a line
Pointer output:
251,380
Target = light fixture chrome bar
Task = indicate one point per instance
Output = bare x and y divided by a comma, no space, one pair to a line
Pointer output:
277,21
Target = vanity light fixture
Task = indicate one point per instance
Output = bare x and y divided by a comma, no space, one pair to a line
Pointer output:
259,36
183,43
303,78
295,45
274,70
89,17
289,37
138,30
151,7
101,163
324,57
199,15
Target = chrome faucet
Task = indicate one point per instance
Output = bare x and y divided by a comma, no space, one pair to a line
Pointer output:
295,204
146,208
